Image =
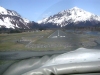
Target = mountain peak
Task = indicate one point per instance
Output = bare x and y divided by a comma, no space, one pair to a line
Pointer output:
11,19
73,15
75,7
2,9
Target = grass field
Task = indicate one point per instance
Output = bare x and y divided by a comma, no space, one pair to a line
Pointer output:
18,41
37,41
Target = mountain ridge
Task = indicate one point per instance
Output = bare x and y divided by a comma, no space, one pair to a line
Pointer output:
74,16
11,19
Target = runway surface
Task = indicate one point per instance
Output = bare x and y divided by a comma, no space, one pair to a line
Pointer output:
58,34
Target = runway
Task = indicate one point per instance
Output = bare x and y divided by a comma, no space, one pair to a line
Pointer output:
58,34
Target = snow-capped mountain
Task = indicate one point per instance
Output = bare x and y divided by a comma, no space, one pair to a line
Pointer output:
11,19
75,16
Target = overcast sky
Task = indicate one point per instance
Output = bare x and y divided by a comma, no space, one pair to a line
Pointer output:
35,10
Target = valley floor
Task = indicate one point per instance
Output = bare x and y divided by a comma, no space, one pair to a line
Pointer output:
48,40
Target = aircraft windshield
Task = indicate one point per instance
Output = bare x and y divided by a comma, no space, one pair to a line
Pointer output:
49,37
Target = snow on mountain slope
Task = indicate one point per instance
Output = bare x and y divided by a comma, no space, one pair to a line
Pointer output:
11,19
72,15
4,11
26,20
